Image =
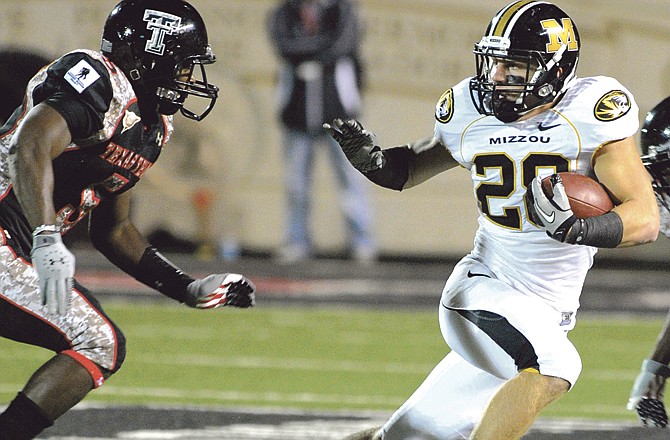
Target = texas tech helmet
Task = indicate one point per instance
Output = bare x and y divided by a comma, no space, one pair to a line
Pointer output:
539,37
655,142
162,47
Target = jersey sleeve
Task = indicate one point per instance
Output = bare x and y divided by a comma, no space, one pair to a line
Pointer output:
79,88
613,112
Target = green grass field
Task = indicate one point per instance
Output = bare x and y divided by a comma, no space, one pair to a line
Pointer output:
319,358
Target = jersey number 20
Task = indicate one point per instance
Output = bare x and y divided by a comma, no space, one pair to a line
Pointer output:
506,186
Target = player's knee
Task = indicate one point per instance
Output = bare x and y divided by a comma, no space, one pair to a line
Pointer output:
551,386
119,347
101,355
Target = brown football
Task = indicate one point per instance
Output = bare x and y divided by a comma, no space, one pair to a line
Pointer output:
588,198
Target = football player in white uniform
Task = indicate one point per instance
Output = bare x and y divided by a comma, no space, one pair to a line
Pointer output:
506,309
646,396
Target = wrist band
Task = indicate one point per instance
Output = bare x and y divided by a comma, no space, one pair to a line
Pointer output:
157,272
656,368
603,231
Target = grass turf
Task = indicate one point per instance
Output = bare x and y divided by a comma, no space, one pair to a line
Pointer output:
319,358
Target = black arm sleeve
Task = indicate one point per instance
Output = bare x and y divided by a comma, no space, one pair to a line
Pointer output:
395,172
157,272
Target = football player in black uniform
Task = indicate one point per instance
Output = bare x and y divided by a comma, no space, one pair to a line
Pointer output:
646,397
90,125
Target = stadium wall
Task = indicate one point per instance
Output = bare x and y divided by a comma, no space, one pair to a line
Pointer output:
413,51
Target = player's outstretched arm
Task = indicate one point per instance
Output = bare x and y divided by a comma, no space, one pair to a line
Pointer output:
114,235
396,168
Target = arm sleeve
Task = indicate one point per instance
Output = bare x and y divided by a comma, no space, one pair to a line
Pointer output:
409,165
395,171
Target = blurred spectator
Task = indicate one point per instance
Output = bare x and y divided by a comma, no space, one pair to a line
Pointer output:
319,79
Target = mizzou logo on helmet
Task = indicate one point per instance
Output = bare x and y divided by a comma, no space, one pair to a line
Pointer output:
445,107
560,34
612,106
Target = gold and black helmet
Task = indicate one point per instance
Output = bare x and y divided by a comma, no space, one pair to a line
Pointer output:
534,34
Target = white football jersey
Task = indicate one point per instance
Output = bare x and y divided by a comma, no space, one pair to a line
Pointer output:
504,158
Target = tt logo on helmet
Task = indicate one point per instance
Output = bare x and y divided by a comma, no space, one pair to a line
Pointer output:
159,23
560,36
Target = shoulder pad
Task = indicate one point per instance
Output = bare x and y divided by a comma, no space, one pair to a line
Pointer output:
80,74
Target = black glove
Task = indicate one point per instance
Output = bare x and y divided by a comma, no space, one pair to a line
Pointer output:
357,144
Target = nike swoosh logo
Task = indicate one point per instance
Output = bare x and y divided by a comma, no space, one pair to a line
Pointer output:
470,275
549,218
546,127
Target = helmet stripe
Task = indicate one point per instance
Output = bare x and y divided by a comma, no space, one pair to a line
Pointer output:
509,15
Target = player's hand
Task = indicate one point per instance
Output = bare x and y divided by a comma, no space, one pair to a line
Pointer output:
552,214
357,143
54,265
218,290
646,397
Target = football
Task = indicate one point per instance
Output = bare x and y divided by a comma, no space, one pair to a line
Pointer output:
588,198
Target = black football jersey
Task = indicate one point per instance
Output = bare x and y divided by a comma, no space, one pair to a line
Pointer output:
112,146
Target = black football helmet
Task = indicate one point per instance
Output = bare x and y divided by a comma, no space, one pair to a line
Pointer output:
655,143
161,46
536,35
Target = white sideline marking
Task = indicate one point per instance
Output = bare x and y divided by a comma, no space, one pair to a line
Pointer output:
281,364
268,363
233,396
230,396
317,365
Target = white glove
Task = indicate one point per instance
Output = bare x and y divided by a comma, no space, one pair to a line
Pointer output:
646,397
552,214
357,144
218,290
54,265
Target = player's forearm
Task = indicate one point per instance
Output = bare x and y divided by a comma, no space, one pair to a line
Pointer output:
41,137
409,165
128,250
33,181
641,222
394,172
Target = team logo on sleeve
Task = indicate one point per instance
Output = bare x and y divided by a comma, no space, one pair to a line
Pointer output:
612,106
81,75
445,107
